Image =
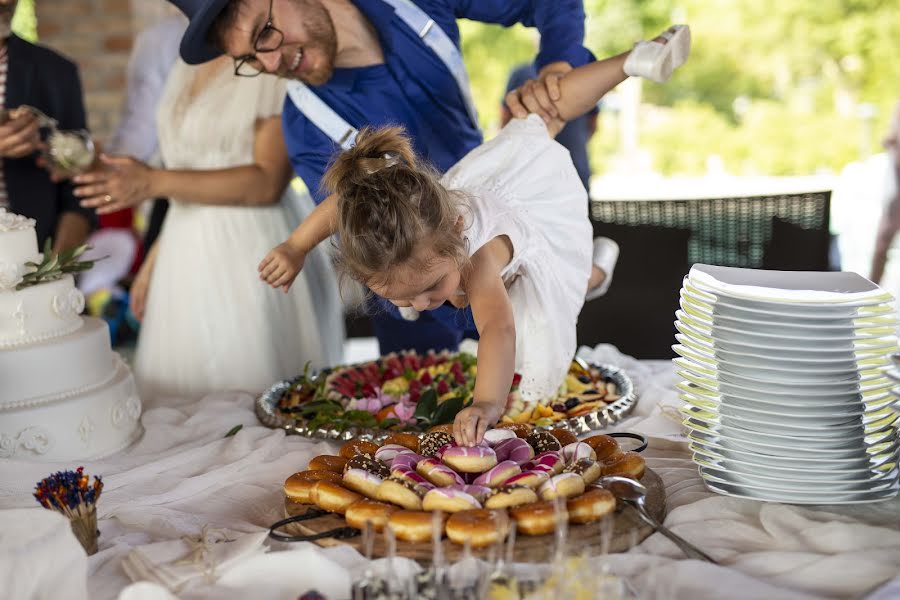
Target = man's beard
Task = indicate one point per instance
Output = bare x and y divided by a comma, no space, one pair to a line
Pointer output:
322,38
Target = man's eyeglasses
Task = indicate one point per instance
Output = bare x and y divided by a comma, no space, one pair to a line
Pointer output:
269,39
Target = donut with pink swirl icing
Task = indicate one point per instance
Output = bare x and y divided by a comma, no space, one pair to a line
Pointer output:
492,437
362,481
407,459
550,462
495,476
387,453
575,452
517,450
564,485
439,453
479,492
449,500
532,478
410,475
469,459
438,473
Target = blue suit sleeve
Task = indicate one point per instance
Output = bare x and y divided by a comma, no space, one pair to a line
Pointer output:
560,23
309,150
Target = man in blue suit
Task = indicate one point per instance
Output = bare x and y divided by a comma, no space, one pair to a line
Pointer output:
39,77
375,62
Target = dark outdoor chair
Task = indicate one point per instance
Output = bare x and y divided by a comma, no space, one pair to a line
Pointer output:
659,240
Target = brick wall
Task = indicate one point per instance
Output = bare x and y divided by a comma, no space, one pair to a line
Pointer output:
97,35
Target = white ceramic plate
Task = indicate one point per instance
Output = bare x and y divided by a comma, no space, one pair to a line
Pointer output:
877,465
725,306
844,369
804,406
780,378
711,351
727,384
861,484
721,309
780,332
798,288
813,415
790,427
770,450
750,493
729,341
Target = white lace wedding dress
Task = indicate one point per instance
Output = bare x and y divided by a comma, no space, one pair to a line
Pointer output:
210,324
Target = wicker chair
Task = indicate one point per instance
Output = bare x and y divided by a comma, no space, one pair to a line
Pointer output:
661,239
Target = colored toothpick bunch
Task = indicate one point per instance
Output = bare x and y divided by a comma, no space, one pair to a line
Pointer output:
72,494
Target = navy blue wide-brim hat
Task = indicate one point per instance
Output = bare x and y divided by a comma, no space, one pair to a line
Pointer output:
201,13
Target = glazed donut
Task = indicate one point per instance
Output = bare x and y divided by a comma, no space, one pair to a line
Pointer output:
530,479
407,459
328,462
413,525
386,454
431,442
550,462
445,428
448,500
590,470
333,497
438,473
575,452
496,476
298,485
478,527
360,480
516,450
564,485
564,436
407,440
542,442
604,446
537,518
479,492
520,429
369,511
367,463
591,506
507,496
492,437
628,464
354,447
410,475
403,493
469,459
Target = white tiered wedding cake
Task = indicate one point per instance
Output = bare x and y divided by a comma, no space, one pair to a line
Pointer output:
64,394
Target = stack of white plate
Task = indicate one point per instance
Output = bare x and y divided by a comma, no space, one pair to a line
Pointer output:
785,387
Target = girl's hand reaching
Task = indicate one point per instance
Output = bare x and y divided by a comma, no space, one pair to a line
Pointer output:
473,421
282,265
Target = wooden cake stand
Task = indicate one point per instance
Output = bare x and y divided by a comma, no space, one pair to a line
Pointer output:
629,530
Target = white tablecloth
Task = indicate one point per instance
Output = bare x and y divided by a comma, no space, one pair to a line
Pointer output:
184,475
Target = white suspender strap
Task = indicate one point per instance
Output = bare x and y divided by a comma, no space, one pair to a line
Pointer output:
342,133
437,39
322,116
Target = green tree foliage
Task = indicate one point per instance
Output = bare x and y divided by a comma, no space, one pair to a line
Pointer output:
772,87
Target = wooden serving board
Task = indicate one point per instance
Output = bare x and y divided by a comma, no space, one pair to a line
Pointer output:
628,531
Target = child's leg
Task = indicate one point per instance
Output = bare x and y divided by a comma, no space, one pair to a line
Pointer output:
581,88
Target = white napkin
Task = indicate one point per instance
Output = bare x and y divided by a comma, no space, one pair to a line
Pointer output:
40,556
174,564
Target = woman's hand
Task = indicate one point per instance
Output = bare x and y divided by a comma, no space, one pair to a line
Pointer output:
139,288
123,183
473,421
282,265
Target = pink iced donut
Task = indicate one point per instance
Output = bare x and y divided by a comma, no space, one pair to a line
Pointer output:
531,479
438,473
492,437
362,481
479,492
469,459
387,453
439,453
410,475
407,459
494,477
549,462
449,500
564,485
576,451
517,450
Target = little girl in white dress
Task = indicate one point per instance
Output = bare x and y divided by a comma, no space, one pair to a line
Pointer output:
505,231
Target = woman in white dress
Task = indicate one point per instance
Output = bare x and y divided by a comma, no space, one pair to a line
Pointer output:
205,326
